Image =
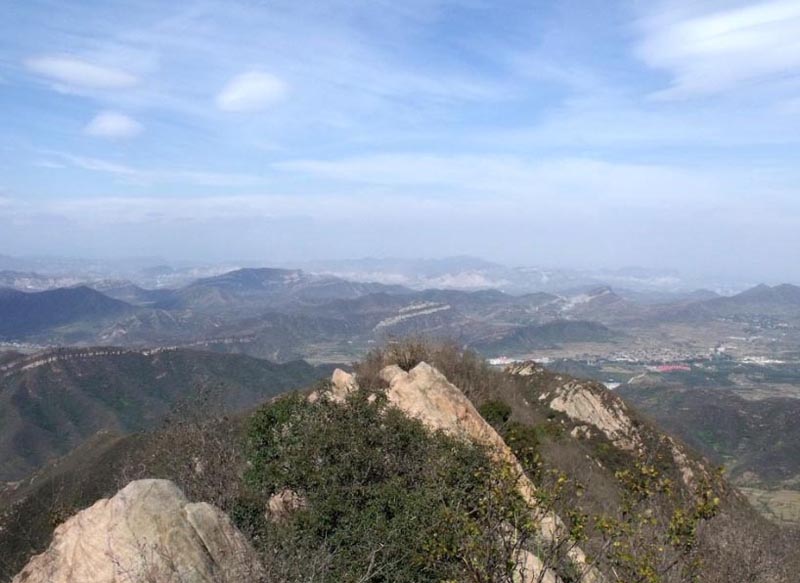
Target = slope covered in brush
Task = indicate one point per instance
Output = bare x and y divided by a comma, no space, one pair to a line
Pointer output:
53,400
415,471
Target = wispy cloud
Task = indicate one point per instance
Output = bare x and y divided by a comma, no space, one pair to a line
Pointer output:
545,183
251,91
159,176
48,164
714,51
113,125
99,165
430,110
69,71
214,210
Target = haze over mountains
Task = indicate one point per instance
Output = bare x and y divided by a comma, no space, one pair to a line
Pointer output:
282,313
460,272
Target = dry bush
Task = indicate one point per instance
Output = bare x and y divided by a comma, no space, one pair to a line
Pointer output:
201,453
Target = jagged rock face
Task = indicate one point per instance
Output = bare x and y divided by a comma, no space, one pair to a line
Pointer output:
148,532
585,403
592,405
580,403
425,394
528,368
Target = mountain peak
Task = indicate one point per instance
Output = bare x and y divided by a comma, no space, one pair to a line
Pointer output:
25,313
251,278
782,293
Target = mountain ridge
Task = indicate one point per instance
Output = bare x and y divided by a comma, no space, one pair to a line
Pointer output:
25,314
54,400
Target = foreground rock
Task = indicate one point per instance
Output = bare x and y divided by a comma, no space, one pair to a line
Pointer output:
148,532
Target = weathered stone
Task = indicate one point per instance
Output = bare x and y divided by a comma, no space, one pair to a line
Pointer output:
342,384
425,394
593,405
148,532
528,368
580,402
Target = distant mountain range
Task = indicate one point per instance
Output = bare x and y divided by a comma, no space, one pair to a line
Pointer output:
548,335
265,287
760,301
470,273
27,314
459,272
284,314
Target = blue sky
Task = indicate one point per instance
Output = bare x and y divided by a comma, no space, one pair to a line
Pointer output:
580,133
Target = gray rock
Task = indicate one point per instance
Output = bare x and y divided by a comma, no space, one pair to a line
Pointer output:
147,533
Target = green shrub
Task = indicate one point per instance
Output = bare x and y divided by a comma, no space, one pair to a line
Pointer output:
495,412
524,442
384,496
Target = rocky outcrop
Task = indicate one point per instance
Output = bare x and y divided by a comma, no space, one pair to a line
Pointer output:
148,532
342,384
580,403
592,406
527,368
587,404
425,394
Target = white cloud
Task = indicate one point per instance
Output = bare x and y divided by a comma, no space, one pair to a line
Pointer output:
500,191
48,164
160,176
73,72
551,182
98,165
252,91
116,210
712,52
111,124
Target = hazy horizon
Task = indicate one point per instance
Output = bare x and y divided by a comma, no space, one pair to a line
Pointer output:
574,134
394,269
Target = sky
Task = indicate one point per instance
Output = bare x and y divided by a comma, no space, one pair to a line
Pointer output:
574,133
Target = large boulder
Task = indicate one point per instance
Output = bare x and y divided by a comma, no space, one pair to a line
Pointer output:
147,533
424,393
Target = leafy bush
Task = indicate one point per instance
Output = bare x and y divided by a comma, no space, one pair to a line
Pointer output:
385,499
495,412
524,442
